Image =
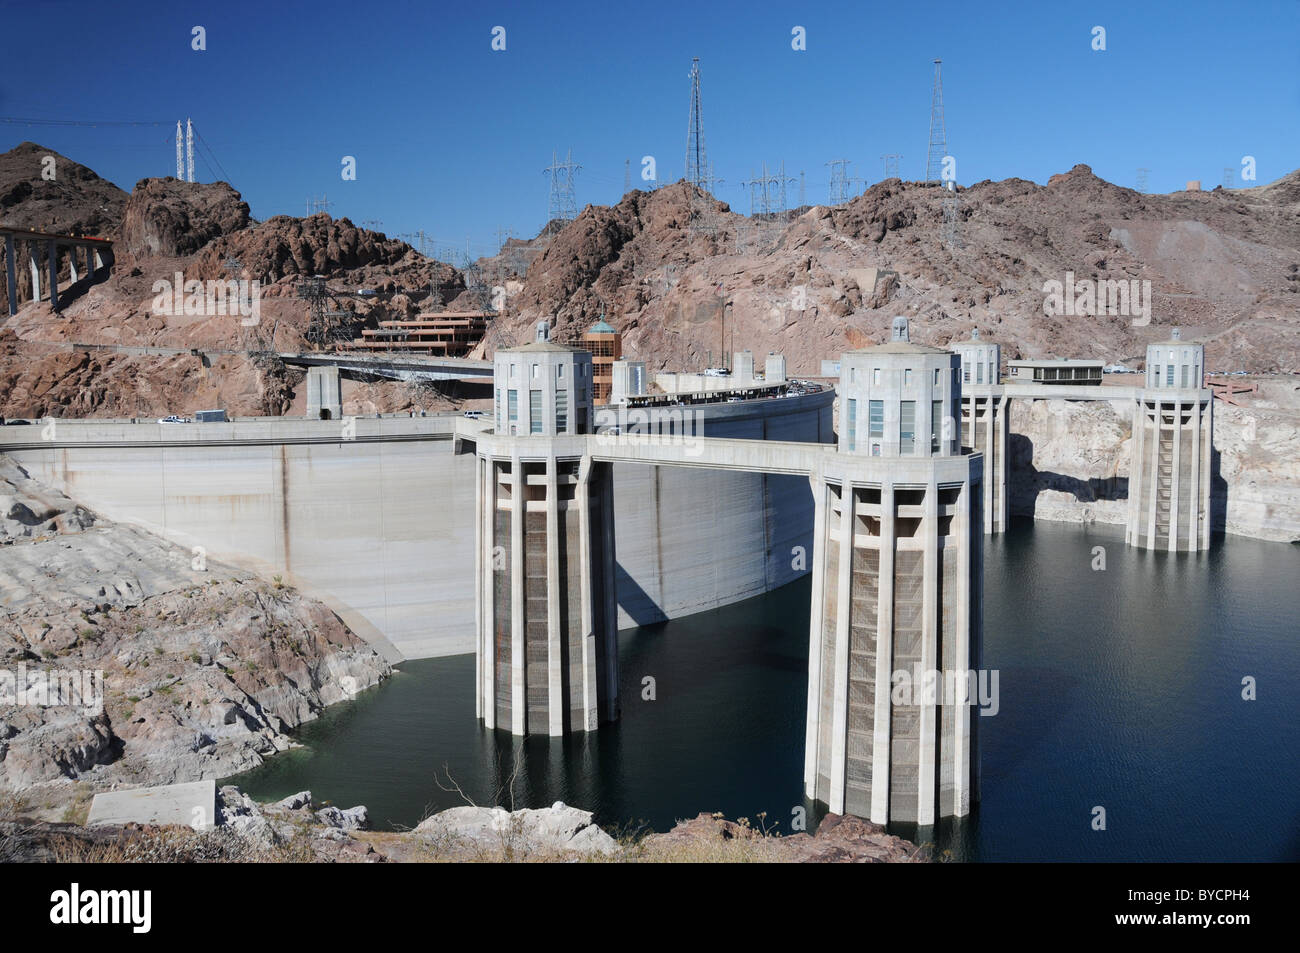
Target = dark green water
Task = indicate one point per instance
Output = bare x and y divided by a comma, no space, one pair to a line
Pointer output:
1119,688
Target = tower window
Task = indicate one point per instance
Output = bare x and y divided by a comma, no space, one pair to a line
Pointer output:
907,427
876,418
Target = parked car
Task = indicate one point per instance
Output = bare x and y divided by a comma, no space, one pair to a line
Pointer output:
171,419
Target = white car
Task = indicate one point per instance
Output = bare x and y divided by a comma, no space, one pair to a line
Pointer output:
171,419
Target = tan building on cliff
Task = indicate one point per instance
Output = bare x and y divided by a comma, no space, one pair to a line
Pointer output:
605,346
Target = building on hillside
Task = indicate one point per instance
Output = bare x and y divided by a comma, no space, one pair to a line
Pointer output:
438,334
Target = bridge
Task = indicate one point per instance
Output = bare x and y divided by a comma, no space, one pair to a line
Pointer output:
43,251
396,366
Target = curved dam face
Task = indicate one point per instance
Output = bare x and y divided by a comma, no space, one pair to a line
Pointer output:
690,540
379,522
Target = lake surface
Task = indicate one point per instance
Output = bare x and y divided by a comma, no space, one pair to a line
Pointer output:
1119,689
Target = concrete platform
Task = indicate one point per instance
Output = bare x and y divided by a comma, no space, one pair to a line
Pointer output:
193,804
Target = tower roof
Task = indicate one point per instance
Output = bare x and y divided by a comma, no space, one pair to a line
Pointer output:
601,327
900,342
534,347
1176,339
975,338
900,347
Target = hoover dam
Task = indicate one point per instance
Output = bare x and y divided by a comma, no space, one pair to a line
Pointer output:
375,516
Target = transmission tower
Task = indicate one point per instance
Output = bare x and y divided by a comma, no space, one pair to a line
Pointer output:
1229,177
420,242
324,325
803,194
839,191
1142,179
185,152
951,219
627,176
563,204
938,130
321,204
704,216
372,223
891,164
767,198
696,163
782,181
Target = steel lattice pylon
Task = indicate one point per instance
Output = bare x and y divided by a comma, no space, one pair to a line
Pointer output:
697,166
839,191
938,130
563,202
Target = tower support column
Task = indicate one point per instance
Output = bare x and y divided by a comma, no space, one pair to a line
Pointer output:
547,643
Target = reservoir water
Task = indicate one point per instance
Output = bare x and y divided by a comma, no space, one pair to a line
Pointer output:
1119,688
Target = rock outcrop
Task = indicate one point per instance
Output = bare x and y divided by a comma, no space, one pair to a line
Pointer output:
202,670
839,839
169,218
75,201
559,829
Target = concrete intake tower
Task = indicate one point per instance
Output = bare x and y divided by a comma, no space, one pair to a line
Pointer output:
897,576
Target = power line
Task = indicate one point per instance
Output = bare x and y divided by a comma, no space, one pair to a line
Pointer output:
18,120
225,177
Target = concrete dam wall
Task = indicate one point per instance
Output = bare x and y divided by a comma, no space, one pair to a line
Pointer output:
380,524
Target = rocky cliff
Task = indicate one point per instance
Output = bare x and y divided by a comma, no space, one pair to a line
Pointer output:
205,669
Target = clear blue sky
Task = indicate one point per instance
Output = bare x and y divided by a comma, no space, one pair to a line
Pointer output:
452,138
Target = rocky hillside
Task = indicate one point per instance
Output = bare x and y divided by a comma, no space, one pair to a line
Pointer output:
75,201
1224,265
204,668
165,227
